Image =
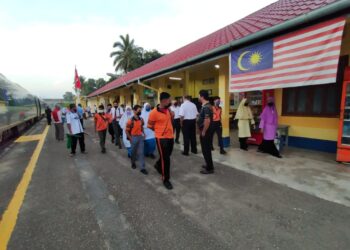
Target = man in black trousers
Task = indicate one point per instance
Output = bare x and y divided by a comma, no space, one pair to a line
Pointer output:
204,124
188,115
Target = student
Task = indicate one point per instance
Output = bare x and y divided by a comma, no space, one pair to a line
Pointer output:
57,119
110,125
217,125
204,124
268,126
117,113
150,140
159,121
48,115
136,136
75,129
101,125
188,114
175,108
245,119
80,112
122,123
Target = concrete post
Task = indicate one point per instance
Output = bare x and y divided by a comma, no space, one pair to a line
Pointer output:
223,84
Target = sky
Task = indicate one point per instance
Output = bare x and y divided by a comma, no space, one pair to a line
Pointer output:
41,41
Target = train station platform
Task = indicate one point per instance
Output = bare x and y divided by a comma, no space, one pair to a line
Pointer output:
49,200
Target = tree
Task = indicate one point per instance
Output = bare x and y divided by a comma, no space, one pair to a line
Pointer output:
151,55
124,55
68,97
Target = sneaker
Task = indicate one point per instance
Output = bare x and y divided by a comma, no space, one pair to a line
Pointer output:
144,171
223,152
168,185
205,171
133,165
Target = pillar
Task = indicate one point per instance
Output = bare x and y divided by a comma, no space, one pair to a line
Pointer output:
122,96
224,93
136,94
186,83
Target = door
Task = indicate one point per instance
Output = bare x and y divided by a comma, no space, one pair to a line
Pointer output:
345,115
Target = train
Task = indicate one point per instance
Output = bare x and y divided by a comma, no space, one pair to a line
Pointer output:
19,109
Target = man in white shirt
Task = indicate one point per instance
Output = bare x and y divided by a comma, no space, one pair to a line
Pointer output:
75,129
117,113
176,121
57,119
188,114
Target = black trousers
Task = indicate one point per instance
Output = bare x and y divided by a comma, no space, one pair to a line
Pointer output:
48,120
116,129
111,131
217,128
206,142
102,135
243,143
268,146
177,128
165,148
75,138
189,135
82,122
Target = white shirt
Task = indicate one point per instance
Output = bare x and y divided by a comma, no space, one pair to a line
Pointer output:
119,112
176,111
74,121
188,110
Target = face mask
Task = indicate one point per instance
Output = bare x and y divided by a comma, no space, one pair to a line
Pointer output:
217,103
270,104
138,113
116,106
128,113
246,104
108,109
167,106
148,109
100,111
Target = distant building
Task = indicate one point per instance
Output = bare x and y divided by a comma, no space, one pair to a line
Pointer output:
53,102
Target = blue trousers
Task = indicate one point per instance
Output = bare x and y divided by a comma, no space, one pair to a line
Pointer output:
137,148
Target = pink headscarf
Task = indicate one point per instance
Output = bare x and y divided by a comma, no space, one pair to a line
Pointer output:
269,114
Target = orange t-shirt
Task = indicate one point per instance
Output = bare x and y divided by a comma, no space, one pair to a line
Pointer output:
101,121
160,120
216,114
136,129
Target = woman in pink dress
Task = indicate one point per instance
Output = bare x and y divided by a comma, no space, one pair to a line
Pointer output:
268,126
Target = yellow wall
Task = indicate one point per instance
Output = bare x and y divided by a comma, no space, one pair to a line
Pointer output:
308,127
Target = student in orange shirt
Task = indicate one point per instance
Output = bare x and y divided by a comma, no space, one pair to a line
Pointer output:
160,121
217,125
101,124
136,136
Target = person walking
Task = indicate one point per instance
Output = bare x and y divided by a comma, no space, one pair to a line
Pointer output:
136,136
110,124
150,140
268,126
160,121
175,108
57,119
101,124
80,112
117,113
217,125
188,114
245,120
204,122
122,123
48,115
75,129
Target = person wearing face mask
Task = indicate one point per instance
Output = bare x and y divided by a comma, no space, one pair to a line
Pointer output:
117,113
150,140
75,129
217,125
160,121
123,121
176,121
135,134
268,126
245,119
110,124
101,124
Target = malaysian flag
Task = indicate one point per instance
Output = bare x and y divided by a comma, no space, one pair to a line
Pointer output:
307,57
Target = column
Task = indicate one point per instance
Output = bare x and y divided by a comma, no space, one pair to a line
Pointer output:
223,84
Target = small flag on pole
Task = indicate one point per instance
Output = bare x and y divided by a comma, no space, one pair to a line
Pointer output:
77,80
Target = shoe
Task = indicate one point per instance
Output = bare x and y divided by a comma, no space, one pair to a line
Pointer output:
152,156
204,166
279,156
223,152
144,171
194,152
133,165
84,152
103,151
186,154
158,170
168,185
205,171
212,149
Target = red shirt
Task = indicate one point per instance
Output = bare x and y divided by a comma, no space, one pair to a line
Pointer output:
101,121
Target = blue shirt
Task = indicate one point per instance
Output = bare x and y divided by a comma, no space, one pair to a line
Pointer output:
80,112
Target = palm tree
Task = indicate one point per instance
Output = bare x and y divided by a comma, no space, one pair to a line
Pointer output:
124,55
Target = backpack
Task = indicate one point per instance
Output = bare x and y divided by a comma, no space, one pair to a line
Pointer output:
133,121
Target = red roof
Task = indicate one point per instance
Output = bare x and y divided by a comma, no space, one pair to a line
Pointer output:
267,17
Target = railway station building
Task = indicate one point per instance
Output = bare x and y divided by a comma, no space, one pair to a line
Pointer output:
297,51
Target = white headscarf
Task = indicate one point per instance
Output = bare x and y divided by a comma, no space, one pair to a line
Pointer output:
125,117
145,114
